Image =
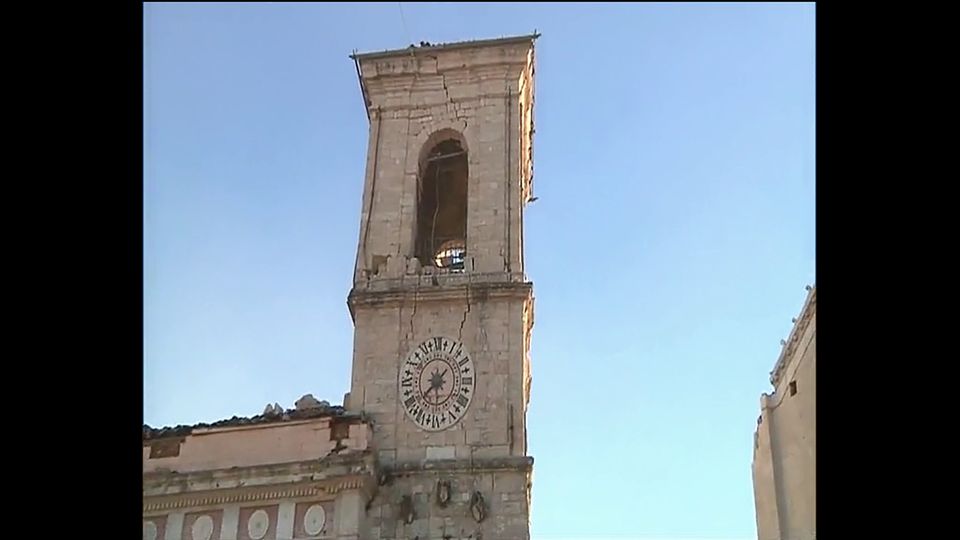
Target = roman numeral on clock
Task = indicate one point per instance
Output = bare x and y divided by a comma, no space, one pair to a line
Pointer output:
410,401
462,400
468,380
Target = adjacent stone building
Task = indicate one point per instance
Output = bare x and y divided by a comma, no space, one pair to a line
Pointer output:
431,441
303,473
785,444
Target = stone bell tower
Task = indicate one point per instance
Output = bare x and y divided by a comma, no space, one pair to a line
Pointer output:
441,305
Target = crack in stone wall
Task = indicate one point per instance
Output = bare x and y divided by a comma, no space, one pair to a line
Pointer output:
465,313
451,104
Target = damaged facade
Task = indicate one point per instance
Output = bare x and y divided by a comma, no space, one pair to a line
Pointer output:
431,441
303,473
785,443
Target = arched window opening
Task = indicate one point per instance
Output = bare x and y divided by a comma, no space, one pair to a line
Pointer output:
442,207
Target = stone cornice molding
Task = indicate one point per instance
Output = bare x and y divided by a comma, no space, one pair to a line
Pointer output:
330,468
434,77
419,70
430,277
277,492
363,298
406,110
434,49
476,465
793,341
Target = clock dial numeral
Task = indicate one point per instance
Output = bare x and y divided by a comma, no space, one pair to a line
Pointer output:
435,383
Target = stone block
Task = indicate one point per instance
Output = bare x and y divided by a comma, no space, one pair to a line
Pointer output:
489,451
441,452
387,457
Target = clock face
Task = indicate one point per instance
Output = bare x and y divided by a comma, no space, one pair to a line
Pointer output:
436,383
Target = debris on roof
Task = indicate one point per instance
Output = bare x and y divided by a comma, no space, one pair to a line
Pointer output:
307,407
449,45
272,410
309,402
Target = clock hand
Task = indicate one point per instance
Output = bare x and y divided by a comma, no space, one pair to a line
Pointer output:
439,385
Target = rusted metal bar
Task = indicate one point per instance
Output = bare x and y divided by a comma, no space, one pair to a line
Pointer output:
445,156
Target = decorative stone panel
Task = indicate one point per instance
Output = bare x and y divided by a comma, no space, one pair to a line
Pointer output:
257,523
203,525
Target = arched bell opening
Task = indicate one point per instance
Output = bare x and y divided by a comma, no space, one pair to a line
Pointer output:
442,206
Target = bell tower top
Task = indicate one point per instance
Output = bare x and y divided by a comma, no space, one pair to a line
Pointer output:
449,163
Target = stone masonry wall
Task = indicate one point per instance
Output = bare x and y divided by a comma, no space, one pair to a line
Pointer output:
317,498
482,97
784,463
493,333
215,449
475,94
408,505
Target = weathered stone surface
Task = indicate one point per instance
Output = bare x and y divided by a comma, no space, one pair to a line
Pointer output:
481,97
784,456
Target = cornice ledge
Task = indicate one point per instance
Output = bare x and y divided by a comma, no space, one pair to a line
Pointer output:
434,49
421,109
274,492
793,341
331,466
490,68
509,463
478,291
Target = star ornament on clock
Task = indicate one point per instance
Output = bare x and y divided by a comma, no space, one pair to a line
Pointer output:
436,383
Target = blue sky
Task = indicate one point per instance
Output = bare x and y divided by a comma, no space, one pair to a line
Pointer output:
669,247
